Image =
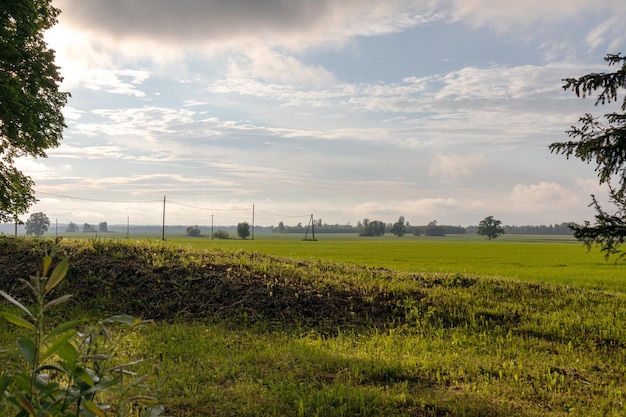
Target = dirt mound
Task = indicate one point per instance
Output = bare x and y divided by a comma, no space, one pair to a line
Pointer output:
162,282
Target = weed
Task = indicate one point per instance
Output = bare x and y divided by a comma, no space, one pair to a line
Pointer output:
71,369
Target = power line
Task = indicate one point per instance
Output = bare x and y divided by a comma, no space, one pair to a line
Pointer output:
282,215
99,201
204,208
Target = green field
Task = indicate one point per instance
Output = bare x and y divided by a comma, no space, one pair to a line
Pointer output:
349,326
552,259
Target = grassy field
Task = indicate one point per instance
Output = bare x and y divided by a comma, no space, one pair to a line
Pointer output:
552,259
351,326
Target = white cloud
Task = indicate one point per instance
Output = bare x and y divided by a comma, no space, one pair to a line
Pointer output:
504,15
267,65
543,196
450,167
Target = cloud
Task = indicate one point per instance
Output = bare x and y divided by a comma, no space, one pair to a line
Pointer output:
296,23
451,167
504,15
267,65
608,34
543,196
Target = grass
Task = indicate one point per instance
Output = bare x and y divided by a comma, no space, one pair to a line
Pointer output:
244,333
552,259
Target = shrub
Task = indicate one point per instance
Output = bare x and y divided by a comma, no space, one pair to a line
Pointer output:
193,231
221,234
69,370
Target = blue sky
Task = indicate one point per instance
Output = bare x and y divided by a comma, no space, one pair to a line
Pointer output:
344,109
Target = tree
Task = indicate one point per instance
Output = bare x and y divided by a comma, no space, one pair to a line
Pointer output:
37,224
371,228
399,227
71,228
221,234
87,228
490,228
432,229
193,231
103,227
602,142
31,120
243,230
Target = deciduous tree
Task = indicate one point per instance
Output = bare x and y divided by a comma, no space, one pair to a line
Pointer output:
490,228
30,101
193,231
399,227
243,230
72,228
602,141
37,224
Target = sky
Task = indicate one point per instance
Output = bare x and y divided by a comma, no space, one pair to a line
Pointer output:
341,109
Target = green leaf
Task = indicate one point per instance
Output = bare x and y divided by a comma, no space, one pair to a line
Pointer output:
81,373
57,301
63,327
18,321
28,349
54,347
93,408
15,302
67,352
47,260
5,381
103,385
57,275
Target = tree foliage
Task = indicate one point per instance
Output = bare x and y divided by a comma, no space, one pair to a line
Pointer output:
31,120
103,227
371,228
193,231
399,227
433,229
37,224
72,228
603,142
243,230
490,228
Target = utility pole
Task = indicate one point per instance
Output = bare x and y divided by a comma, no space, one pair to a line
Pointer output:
253,222
163,234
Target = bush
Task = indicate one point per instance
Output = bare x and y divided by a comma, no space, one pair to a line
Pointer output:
72,369
221,234
193,231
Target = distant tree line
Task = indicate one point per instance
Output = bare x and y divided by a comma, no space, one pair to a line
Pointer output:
368,227
72,227
551,229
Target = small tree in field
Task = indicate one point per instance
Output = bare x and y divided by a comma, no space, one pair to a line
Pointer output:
37,224
193,231
72,228
490,228
221,234
399,227
243,230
